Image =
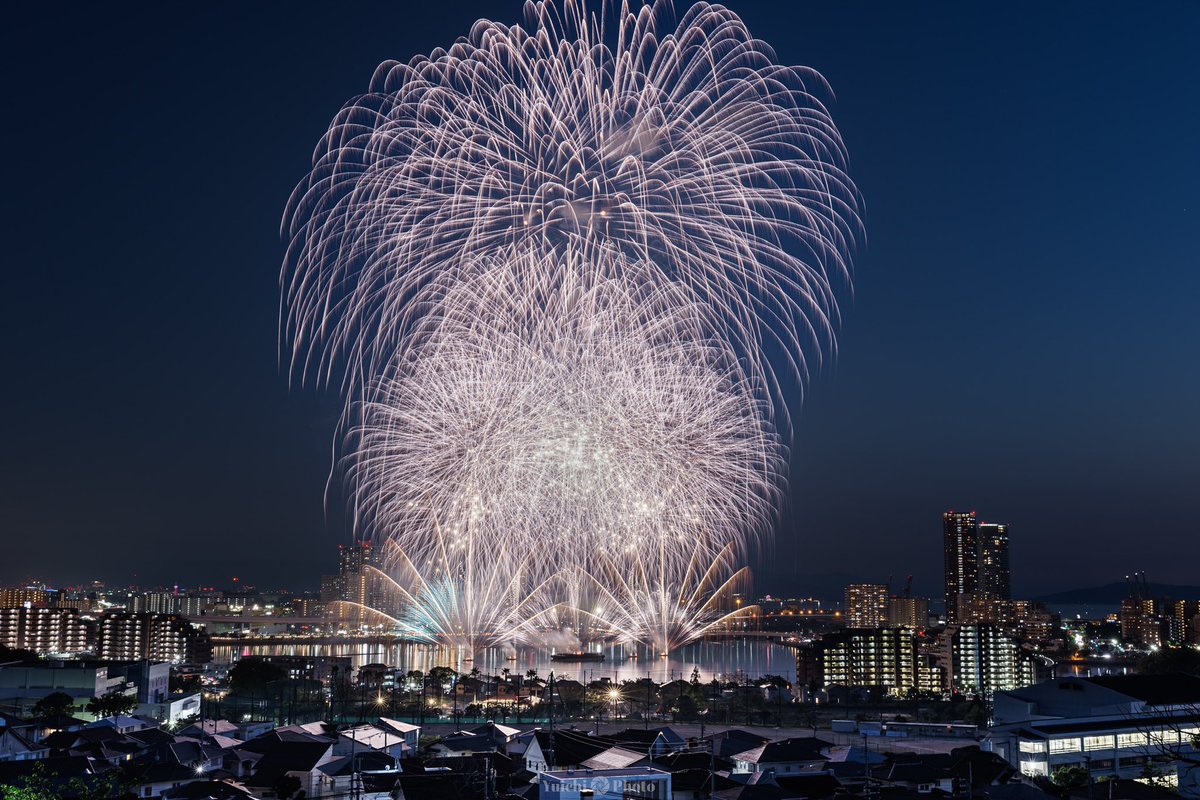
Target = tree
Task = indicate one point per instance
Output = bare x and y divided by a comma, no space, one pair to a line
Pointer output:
441,677
1070,777
286,786
16,654
40,785
1170,660
1174,741
252,675
186,684
54,704
112,704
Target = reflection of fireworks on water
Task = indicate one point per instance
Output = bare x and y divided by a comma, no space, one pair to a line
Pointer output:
552,268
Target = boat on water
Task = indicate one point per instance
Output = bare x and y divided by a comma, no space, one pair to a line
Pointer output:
577,657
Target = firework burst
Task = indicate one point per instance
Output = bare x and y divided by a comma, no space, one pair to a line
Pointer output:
545,266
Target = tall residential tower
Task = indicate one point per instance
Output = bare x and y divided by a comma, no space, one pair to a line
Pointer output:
960,533
995,581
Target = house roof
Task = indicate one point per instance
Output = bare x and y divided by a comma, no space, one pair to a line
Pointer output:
397,725
1041,729
24,742
1154,690
373,737
500,763
152,736
689,759
161,772
647,736
613,758
503,730
58,722
805,748
570,749
854,755
813,785
736,740
189,751
277,739
438,786
751,791
208,790
366,761
119,721
293,756
209,727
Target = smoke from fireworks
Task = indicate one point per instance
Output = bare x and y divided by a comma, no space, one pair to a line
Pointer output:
545,266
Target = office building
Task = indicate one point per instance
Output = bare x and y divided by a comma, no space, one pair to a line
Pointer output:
1120,726
866,605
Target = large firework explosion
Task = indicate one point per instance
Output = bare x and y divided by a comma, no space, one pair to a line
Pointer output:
545,266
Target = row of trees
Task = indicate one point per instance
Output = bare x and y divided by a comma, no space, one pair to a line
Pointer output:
109,705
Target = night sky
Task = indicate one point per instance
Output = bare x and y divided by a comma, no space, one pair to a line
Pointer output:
1022,339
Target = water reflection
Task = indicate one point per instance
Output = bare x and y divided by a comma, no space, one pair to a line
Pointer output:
749,657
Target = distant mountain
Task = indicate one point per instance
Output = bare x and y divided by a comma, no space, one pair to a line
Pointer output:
1113,593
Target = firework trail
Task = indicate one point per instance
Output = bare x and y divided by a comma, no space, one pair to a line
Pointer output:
546,266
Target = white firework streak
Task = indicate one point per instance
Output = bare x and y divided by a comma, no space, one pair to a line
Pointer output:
551,266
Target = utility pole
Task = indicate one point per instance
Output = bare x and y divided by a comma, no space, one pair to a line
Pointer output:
712,766
550,750
867,766
646,713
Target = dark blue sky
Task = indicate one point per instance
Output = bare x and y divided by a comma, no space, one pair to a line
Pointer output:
1022,339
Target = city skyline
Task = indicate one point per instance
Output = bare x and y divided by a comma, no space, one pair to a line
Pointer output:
980,365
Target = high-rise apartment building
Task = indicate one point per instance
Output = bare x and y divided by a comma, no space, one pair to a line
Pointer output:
885,657
353,564
1183,628
994,581
46,630
908,612
158,637
866,605
157,602
960,540
985,660
356,582
14,596
977,568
